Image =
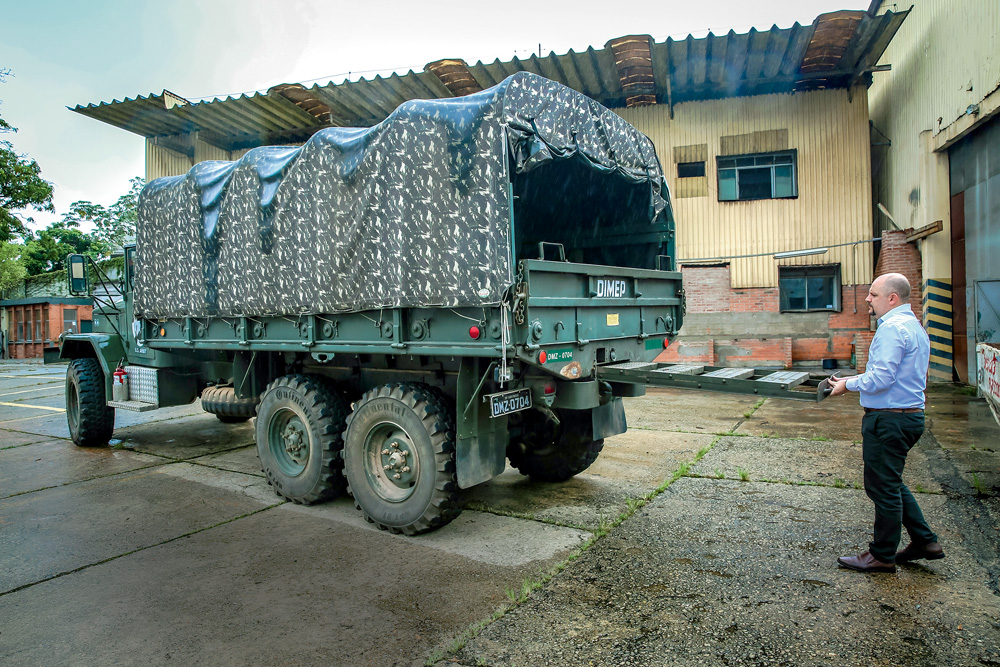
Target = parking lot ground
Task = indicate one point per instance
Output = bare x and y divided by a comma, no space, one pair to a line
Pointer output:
722,572
168,547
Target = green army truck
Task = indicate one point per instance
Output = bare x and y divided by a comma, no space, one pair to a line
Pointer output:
401,308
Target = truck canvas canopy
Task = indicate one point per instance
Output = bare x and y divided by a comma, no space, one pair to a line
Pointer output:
431,207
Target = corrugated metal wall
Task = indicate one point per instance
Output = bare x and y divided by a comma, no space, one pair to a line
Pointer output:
205,151
943,59
830,134
161,161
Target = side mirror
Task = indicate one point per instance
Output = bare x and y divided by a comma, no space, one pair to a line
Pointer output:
77,274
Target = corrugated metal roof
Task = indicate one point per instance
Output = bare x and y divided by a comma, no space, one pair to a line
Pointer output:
836,51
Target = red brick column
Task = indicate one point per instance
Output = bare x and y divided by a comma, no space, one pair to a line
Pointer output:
898,256
862,341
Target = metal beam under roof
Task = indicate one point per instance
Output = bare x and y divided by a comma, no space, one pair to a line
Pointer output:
838,50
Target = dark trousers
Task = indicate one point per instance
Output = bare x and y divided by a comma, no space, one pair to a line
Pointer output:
886,439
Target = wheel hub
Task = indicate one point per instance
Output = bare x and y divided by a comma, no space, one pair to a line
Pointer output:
392,467
294,442
394,462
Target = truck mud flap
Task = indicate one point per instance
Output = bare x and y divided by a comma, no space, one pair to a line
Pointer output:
609,419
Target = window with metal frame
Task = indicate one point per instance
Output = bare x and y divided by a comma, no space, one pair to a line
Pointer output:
760,176
690,169
69,320
803,289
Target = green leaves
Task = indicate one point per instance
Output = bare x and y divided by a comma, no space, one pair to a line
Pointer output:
21,183
114,225
21,186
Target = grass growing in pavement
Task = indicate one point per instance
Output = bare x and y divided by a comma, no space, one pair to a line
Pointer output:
749,413
979,486
529,585
744,474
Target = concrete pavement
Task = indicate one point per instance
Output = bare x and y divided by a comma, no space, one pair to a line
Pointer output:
170,548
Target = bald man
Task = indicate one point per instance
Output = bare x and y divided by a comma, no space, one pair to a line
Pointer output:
892,394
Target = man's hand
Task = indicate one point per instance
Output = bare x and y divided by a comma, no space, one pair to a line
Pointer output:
838,386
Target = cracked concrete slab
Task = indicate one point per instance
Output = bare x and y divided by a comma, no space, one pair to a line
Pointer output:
630,466
13,438
720,572
278,587
191,434
837,418
84,523
829,462
57,462
692,411
243,459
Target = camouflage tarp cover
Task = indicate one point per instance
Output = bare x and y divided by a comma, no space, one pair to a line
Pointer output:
414,211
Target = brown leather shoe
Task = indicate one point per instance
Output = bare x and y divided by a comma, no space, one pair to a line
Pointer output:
929,551
865,563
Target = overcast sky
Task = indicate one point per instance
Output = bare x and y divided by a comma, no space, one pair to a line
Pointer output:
69,52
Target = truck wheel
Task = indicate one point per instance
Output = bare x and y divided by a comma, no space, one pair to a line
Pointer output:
399,458
223,403
299,424
553,453
91,421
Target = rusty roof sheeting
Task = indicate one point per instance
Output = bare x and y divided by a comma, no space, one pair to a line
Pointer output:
836,51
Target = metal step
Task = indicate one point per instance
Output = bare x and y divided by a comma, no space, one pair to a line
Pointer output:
633,365
730,373
787,378
681,369
134,406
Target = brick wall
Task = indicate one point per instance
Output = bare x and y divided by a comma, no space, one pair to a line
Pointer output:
757,333
52,316
898,256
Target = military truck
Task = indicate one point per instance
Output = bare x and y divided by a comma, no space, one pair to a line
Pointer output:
401,308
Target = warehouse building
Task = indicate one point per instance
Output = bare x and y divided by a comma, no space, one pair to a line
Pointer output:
764,137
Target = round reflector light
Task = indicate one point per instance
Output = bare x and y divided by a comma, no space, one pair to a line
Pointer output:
542,357
474,332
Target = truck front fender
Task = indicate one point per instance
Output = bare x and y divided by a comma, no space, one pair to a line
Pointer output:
108,349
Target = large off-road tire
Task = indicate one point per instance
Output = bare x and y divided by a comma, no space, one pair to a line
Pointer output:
223,403
91,421
553,453
399,458
299,424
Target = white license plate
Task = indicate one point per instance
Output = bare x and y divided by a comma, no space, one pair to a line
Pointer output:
507,402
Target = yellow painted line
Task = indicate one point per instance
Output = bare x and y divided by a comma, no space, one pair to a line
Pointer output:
24,419
26,391
37,407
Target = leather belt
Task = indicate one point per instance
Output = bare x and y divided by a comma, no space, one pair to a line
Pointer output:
902,410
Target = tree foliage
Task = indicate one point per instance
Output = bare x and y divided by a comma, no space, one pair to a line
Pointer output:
114,225
21,183
46,251
12,270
